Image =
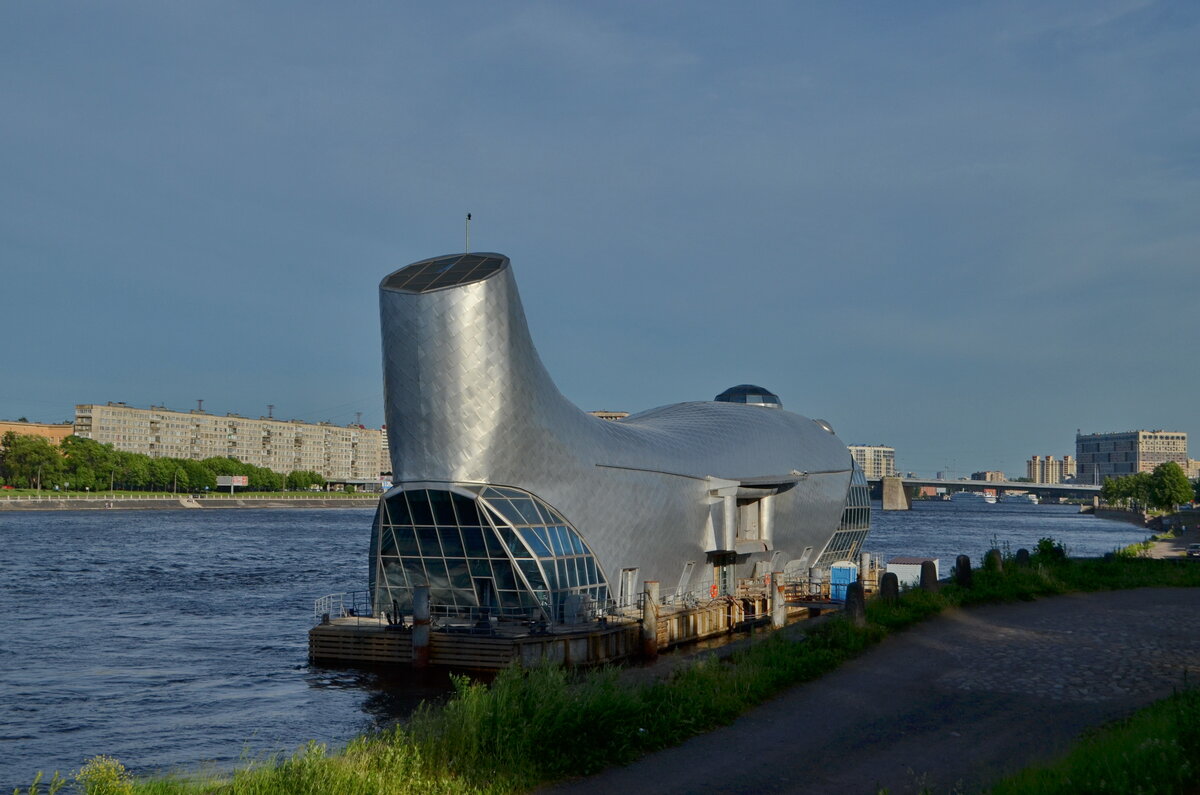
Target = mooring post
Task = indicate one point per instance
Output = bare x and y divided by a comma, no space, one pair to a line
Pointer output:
650,619
962,571
856,604
993,560
778,600
420,632
929,578
1023,557
889,587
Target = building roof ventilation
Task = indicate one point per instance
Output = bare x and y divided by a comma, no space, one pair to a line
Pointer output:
751,395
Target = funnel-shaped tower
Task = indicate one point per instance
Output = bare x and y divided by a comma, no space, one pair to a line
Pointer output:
510,498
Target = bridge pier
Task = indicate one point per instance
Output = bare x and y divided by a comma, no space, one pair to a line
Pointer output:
895,495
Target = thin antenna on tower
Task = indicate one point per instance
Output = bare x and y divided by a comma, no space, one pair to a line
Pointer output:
270,411
467,248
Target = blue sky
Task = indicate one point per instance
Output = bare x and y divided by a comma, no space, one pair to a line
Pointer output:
965,230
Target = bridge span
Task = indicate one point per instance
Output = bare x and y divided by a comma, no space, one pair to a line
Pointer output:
897,491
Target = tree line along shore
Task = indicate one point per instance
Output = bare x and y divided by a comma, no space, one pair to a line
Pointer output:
33,463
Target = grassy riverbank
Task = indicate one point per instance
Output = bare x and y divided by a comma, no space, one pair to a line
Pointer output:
509,737
1155,750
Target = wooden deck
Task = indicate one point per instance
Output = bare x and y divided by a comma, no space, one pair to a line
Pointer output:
367,641
357,640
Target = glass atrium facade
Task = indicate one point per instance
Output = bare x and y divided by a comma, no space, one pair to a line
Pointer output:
479,548
847,542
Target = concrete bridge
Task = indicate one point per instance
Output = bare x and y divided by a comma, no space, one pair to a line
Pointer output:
897,491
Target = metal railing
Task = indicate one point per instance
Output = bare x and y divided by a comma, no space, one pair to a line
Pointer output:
356,604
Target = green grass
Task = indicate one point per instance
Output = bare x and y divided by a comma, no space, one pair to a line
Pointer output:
1156,750
508,737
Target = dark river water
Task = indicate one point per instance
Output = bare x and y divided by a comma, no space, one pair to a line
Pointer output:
171,639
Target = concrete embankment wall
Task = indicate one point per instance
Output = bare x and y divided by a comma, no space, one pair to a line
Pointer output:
179,504
1132,517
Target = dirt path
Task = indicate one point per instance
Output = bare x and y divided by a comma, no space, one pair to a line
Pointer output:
951,704
1175,547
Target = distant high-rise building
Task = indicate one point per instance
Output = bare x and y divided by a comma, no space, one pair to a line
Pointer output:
875,460
989,475
1110,455
336,452
1045,469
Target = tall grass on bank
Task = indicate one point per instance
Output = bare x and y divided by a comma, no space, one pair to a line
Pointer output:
531,726
1156,750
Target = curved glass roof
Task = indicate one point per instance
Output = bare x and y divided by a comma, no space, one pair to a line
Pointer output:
440,272
749,393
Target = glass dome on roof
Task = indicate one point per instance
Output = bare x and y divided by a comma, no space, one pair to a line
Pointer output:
750,394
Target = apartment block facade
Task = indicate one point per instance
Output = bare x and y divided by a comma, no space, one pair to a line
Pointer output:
54,433
875,460
1045,469
337,452
1111,455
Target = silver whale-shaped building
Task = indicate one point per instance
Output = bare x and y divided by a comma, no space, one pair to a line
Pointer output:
510,498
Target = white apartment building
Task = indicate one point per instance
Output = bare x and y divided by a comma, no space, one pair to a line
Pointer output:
875,460
336,452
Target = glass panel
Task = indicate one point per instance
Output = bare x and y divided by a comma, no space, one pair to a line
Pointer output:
418,503
437,573
396,579
530,569
465,508
397,509
508,511
406,541
508,492
543,512
528,513
494,548
514,544
387,541
473,541
576,543
480,568
428,536
593,576
443,511
460,576
415,571
451,542
535,543
505,580
557,537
